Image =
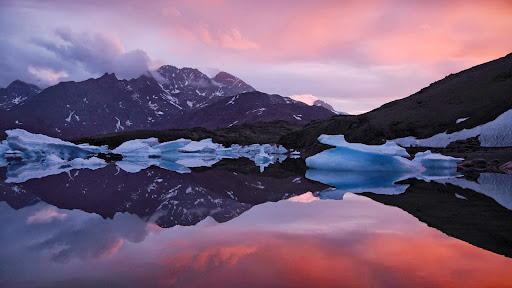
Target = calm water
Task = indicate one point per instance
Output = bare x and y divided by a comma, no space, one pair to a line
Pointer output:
232,226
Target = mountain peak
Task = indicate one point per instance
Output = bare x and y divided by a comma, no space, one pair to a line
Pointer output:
16,84
107,76
16,93
224,75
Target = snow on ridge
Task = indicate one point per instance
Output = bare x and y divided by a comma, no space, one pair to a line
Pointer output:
496,133
461,120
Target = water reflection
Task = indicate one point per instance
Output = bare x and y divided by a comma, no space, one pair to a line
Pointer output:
104,227
170,198
357,242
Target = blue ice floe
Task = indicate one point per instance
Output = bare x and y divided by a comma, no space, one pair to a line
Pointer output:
355,167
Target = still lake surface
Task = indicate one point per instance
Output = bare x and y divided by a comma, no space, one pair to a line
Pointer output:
231,225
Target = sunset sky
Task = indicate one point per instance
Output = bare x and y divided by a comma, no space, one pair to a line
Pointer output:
355,55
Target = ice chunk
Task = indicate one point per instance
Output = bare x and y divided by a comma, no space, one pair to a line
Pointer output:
172,146
347,159
389,148
431,160
38,146
263,157
138,148
203,146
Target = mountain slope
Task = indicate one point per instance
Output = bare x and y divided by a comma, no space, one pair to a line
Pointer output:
480,94
106,104
16,93
251,107
194,89
180,98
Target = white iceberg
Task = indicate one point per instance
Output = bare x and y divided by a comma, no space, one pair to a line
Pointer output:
360,157
138,148
38,146
355,168
431,160
203,146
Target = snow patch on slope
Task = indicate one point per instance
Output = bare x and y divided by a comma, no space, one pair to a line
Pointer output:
497,133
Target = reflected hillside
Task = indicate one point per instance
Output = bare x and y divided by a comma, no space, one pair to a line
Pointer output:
461,213
166,197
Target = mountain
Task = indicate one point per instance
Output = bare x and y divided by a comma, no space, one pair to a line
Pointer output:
194,89
16,93
167,98
251,107
327,106
459,101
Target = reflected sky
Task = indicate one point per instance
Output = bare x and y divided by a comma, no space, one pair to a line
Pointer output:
300,242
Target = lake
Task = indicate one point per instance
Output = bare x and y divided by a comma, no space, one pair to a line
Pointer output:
233,225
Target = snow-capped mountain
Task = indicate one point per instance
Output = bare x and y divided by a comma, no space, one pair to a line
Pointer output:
167,98
251,107
194,89
328,107
16,93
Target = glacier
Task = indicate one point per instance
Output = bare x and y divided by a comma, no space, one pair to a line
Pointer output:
496,133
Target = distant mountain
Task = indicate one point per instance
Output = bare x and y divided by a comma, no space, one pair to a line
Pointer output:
168,98
251,107
459,101
194,89
328,107
16,93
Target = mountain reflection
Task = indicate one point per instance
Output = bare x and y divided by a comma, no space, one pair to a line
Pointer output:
167,198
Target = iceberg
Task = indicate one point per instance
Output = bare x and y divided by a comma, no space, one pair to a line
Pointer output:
38,146
356,168
203,146
138,148
360,157
389,148
431,160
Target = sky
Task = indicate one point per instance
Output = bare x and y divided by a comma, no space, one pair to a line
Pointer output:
355,55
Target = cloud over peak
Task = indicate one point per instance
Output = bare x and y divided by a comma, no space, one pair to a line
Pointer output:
96,53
